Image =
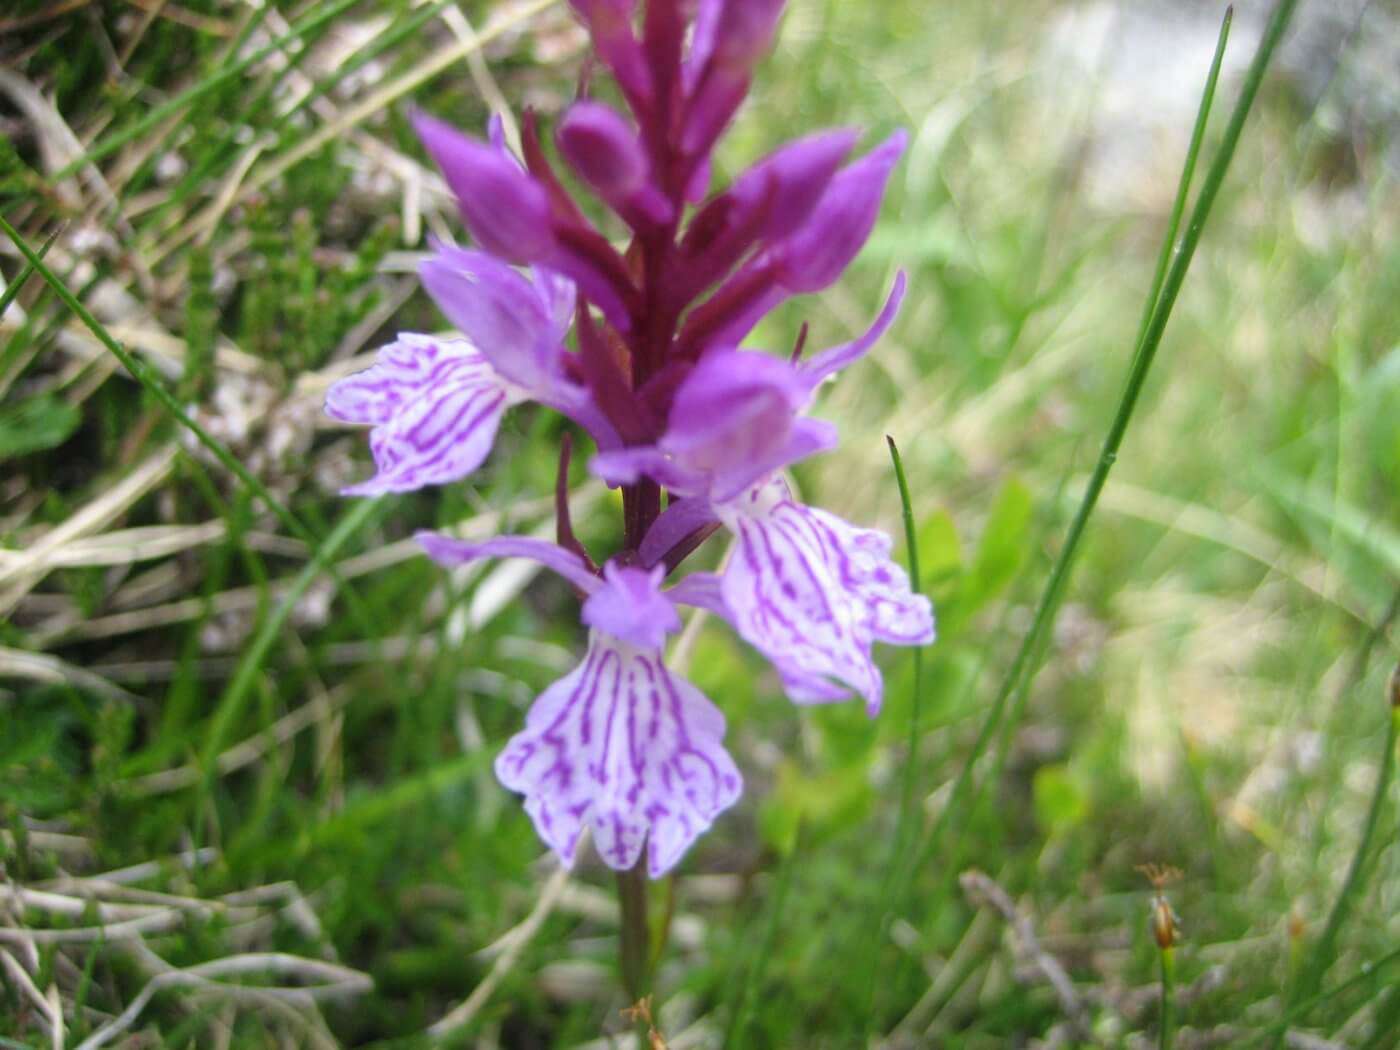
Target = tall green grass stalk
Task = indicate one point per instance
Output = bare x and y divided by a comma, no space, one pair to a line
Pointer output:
911,541
753,973
231,703
1324,952
1023,666
898,870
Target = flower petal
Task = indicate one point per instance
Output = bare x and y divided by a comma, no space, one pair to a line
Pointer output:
832,360
786,600
816,253
892,612
630,606
505,208
680,518
435,406
402,371
450,551
624,466
508,319
622,746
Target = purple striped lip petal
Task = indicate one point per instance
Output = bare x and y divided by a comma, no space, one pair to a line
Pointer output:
625,748
813,594
434,406
619,745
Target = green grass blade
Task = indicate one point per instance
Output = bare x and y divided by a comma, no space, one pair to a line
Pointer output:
911,541
897,869
118,139
230,705
1370,971
1023,665
1188,172
147,377
22,278
754,972
1325,950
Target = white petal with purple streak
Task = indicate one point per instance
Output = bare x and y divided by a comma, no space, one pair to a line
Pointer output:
786,600
625,748
813,594
435,405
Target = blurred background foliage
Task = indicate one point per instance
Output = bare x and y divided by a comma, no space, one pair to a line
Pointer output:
203,734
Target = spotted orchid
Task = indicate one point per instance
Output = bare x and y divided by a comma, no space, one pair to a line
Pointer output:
641,348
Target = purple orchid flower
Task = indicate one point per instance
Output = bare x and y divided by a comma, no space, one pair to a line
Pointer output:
695,430
808,590
618,745
435,404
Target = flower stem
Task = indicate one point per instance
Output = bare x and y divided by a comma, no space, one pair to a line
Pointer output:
636,938
1166,1020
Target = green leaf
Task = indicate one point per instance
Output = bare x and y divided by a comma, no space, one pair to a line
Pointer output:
820,804
1002,549
940,550
1060,803
40,423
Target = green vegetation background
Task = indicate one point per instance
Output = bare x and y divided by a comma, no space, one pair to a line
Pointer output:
177,675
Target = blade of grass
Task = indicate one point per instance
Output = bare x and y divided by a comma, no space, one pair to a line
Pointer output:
157,389
26,272
1325,950
231,703
1368,972
1023,665
1188,173
752,975
118,139
911,542
897,870
147,377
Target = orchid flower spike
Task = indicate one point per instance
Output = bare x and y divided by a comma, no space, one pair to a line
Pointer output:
641,347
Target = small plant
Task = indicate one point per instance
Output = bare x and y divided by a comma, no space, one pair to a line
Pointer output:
694,430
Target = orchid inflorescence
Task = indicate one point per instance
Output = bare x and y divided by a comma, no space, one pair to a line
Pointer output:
694,430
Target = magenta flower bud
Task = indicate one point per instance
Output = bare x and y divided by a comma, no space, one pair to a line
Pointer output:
730,37
791,180
814,256
610,23
603,148
745,30
605,151
506,210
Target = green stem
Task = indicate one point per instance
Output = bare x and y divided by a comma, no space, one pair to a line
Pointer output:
1168,993
636,938
897,869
